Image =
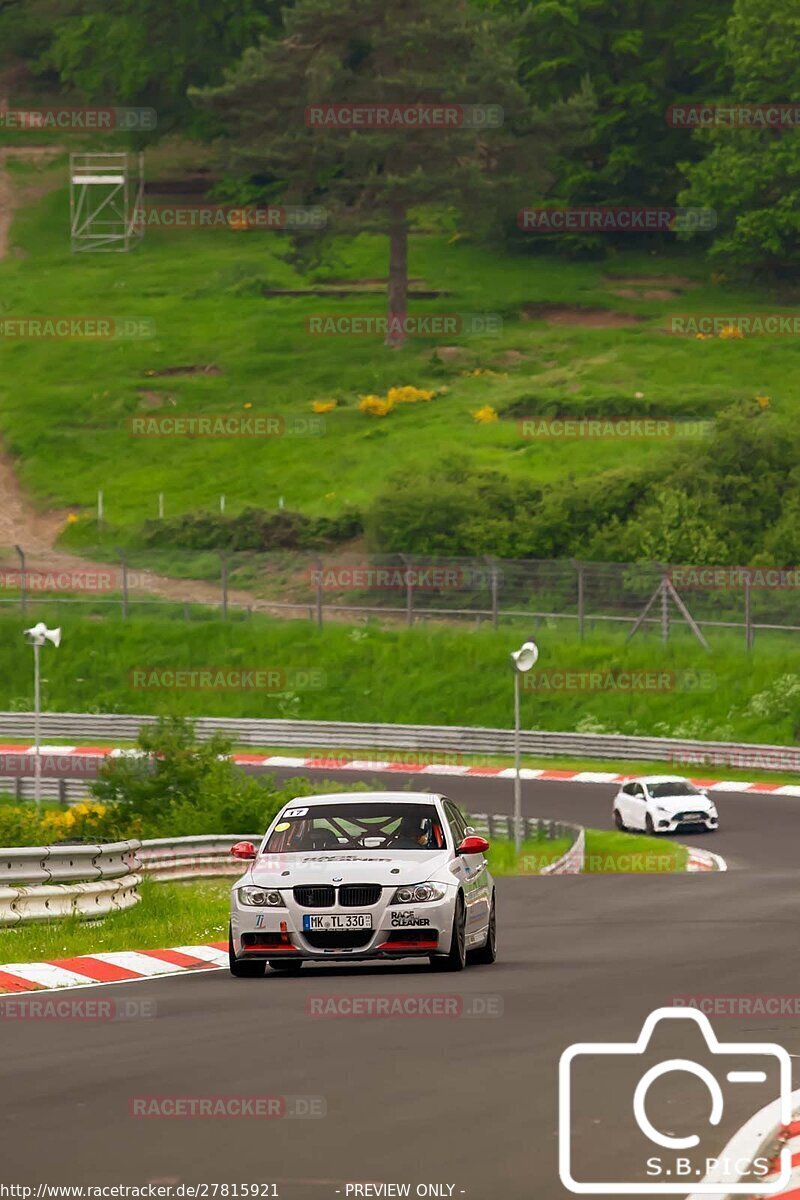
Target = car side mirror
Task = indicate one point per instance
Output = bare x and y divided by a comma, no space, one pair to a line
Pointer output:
244,850
473,844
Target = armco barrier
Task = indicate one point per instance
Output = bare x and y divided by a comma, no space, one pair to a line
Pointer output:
40,883
185,858
467,740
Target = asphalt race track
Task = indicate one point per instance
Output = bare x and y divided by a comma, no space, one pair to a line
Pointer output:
468,1102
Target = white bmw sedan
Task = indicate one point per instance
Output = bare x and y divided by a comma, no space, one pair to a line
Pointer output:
663,804
363,875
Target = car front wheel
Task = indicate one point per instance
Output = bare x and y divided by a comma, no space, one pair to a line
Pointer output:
488,954
456,960
618,821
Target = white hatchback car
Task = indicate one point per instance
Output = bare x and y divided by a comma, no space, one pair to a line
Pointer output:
363,875
663,804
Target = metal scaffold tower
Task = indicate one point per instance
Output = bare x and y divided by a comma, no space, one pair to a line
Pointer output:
106,201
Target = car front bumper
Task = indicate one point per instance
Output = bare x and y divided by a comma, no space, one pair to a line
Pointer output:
673,825
398,931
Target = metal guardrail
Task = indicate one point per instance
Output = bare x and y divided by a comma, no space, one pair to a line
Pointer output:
462,740
41,883
191,857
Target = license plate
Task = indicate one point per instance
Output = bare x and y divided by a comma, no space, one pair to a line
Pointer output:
693,817
333,921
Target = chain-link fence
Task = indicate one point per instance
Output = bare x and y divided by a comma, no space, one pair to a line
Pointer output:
404,589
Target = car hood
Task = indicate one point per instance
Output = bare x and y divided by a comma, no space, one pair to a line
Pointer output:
676,804
368,866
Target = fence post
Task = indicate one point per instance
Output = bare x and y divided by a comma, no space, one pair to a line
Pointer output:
223,561
748,615
124,562
318,582
664,610
409,591
581,599
62,792
22,580
494,594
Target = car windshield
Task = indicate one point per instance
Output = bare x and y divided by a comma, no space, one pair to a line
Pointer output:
660,790
356,827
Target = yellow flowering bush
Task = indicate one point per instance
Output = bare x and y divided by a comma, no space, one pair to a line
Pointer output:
762,401
323,406
730,332
375,406
478,371
485,415
408,395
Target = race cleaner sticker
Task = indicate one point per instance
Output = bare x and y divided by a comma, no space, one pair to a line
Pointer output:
404,919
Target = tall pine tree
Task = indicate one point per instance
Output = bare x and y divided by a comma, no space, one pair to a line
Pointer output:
368,52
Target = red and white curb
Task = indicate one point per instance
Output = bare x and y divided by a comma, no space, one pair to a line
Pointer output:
110,966
52,754
763,1136
704,860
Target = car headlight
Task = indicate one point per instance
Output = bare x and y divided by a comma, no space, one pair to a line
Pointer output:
418,893
260,897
